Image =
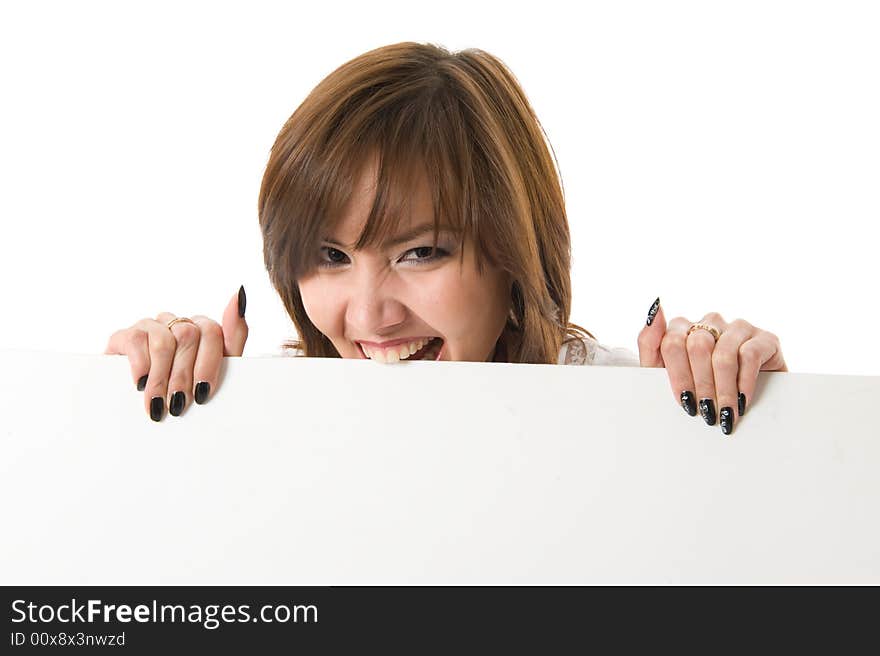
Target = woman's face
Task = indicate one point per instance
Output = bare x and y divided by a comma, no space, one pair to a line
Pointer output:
393,299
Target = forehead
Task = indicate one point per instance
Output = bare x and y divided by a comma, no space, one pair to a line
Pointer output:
411,208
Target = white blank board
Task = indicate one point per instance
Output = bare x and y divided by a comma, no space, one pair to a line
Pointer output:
304,471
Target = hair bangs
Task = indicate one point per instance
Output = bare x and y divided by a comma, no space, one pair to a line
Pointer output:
403,149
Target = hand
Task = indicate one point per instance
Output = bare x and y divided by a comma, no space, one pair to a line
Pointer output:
164,359
722,374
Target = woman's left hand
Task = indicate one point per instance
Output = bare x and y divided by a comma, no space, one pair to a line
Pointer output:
720,374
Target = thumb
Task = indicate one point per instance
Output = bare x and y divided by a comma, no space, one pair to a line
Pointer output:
651,336
235,328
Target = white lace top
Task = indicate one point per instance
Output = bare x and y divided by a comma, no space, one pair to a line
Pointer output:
585,351
589,351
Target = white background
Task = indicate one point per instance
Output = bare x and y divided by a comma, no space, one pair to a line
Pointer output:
723,156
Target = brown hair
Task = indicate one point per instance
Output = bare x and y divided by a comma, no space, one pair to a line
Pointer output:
464,120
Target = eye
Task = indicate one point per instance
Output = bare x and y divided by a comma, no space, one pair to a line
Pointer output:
423,255
335,256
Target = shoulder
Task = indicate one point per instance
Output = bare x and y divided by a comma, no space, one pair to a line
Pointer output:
589,351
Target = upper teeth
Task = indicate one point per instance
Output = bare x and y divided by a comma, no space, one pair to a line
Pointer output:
394,353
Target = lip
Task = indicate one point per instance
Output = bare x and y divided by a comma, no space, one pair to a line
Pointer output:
395,342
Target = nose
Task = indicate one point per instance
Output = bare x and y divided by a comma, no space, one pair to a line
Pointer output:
374,306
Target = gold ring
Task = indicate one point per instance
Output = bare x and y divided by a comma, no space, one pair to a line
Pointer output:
705,326
181,320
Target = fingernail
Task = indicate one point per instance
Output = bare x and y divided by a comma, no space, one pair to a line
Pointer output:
176,405
653,311
157,406
202,391
707,409
688,403
142,383
242,301
741,403
726,420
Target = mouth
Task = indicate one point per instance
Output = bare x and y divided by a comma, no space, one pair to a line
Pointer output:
431,350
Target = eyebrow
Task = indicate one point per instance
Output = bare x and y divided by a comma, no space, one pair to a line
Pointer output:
409,235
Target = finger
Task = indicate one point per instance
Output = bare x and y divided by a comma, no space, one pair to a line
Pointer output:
726,365
700,344
180,381
235,328
673,349
163,345
650,337
208,359
754,355
775,362
133,343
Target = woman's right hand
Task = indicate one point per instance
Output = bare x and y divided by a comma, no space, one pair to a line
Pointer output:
174,365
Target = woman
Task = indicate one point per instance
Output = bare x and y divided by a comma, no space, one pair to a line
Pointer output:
410,209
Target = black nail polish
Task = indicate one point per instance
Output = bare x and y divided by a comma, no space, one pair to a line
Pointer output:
142,383
157,406
741,403
176,405
242,301
688,403
202,391
707,409
653,311
726,419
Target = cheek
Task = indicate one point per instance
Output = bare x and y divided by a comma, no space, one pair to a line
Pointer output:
464,305
317,299
445,301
